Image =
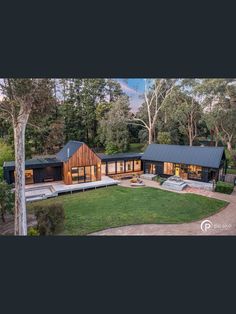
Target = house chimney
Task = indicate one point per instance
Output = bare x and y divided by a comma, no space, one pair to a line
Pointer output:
68,152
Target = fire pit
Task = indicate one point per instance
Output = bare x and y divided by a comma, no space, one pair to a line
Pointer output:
136,182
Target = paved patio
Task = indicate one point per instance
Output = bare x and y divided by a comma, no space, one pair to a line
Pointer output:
222,223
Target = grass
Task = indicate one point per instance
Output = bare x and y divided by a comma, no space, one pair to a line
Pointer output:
95,210
231,171
136,148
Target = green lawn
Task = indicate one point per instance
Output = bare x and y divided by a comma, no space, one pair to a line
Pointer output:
99,209
232,171
136,148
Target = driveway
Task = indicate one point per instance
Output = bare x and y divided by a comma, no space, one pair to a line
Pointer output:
222,223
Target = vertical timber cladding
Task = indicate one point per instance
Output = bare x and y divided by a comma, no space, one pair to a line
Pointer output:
84,156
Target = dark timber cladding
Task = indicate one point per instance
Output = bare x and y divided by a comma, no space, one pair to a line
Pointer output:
121,163
188,162
39,169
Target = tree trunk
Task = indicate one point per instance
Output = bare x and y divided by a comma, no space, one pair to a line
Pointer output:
190,138
150,136
229,146
20,203
3,218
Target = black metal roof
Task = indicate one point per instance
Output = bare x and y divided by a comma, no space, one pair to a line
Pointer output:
191,155
68,150
120,156
35,163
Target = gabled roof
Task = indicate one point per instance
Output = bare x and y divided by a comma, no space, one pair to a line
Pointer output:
120,156
68,150
191,155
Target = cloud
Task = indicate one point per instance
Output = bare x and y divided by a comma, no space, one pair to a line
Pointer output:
127,89
134,95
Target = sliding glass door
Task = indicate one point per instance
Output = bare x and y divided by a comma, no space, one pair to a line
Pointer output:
74,175
88,173
83,174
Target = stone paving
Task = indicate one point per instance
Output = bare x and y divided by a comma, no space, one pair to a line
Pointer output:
222,223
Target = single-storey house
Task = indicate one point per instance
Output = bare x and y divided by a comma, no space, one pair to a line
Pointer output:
77,163
74,163
189,162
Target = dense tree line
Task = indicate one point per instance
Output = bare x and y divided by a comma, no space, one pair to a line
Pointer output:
96,111
195,111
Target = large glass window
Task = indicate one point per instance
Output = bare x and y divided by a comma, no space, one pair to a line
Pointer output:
104,168
81,174
74,175
29,178
137,165
168,168
183,171
111,167
120,166
88,173
129,165
150,168
195,172
93,173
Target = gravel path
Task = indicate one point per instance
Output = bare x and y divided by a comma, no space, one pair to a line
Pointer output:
222,223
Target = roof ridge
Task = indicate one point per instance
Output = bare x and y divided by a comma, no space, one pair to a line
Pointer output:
194,146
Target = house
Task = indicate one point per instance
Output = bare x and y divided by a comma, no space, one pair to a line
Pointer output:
189,162
74,163
77,163
122,163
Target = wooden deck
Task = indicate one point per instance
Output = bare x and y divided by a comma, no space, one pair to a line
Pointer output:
35,192
127,175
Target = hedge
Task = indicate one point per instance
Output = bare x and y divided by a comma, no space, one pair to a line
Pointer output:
224,187
1,174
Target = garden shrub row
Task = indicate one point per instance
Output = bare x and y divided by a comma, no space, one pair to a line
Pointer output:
224,187
160,179
50,219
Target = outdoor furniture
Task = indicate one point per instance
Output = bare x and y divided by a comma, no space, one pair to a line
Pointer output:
137,184
49,179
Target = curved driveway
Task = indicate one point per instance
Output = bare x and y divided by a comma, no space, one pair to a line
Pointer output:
222,223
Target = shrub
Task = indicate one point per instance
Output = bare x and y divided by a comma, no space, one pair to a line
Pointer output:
6,153
1,173
50,218
111,149
164,138
6,199
33,232
231,157
224,187
160,179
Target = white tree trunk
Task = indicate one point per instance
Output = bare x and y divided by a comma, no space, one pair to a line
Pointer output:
229,146
150,136
20,203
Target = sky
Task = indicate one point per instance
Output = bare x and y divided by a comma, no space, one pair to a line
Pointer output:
134,88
